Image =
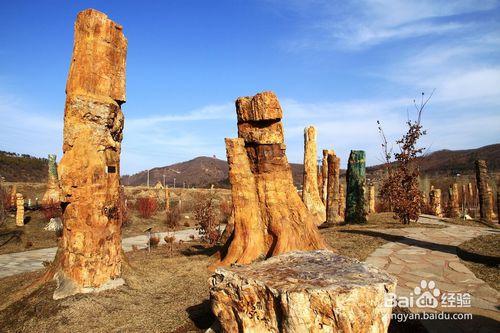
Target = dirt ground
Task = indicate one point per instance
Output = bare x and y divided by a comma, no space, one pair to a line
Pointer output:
487,250
165,292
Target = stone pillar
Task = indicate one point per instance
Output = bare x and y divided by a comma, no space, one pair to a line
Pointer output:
310,192
482,188
435,201
341,201
19,210
332,201
90,250
355,211
371,199
454,205
269,216
52,195
492,202
324,174
314,291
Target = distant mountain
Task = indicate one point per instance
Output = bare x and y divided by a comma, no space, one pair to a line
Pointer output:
22,168
204,171
451,162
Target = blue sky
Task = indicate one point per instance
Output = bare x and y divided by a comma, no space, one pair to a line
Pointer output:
339,65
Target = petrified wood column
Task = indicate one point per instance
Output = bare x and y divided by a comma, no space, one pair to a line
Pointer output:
310,192
332,199
371,199
453,200
53,193
341,201
90,251
435,202
324,174
19,210
269,216
315,291
355,210
482,188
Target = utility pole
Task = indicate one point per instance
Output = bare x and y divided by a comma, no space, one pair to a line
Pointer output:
148,177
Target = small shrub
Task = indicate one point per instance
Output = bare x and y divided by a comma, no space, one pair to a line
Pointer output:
191,236
154,240
147,207
225,209
169,239
208,223
173,218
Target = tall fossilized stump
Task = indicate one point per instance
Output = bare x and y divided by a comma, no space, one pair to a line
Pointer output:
324,175
19,210
482,178
333,187
371,199
52,195
341,201
310,191
90,251
435,202
269,216
315,291
355,210
453,201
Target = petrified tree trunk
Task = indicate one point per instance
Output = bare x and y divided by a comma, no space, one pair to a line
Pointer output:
355,211
324,175
316,291
371,199
453,200
332,199
53,193
310,192
19,210
269,216
167,199
90,251
341,201
482,187
492,202
435,202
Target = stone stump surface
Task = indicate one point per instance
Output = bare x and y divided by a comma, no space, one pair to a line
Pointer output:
301,291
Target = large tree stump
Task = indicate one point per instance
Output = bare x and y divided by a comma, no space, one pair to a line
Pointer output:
269,216
310,191
435,202
453,201
53,193
19,210
316,291
355,210
482,178
371,199
89,256
324,175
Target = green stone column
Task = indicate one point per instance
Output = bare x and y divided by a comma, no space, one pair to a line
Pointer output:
355,210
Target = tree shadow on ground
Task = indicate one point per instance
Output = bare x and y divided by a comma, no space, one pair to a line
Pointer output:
201,314
196,250
451,249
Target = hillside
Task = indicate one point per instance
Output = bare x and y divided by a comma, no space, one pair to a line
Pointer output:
451,162
22,168
204,171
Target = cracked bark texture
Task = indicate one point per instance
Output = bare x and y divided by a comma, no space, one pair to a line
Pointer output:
19,210
341,201
482,178
90,251
333,189
269,216
310,191
355,210
371,199
435,202
53,193
324,175
315,291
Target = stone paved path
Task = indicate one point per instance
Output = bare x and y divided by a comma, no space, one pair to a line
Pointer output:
27,261
430,254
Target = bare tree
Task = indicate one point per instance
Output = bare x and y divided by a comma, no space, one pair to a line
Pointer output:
399,189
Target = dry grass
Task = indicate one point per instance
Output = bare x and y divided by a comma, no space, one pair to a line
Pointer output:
483,248
165,292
